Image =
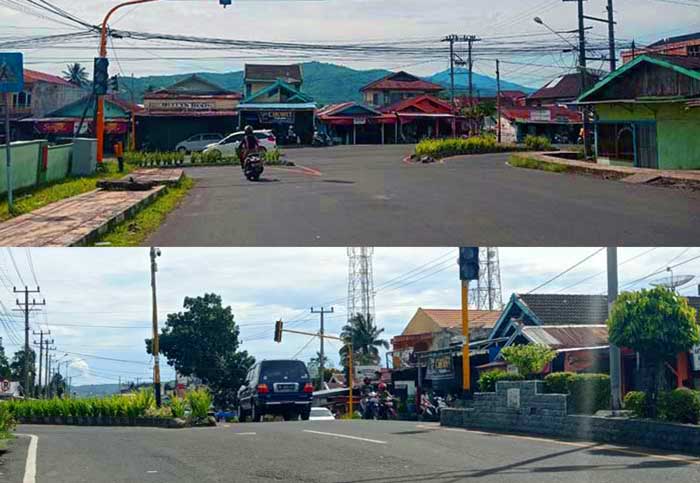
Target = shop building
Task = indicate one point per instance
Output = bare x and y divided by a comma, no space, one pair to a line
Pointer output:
193,105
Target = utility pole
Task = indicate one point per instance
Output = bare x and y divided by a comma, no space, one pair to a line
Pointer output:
470,40
155,252
611,36
41,335
498,98
47,343
27,307
614,351
451,39
321,365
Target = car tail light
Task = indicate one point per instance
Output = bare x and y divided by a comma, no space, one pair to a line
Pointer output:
271,138
308,387
262,389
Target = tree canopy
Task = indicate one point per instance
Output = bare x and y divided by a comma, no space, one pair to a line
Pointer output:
17,369
529,359
365,337
76,74
203,341
4,364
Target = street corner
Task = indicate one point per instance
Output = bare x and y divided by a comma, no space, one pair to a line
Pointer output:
14,453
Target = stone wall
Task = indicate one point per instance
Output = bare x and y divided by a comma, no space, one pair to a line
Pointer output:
522,407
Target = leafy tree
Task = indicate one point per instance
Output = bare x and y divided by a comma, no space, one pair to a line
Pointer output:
58,385
657,323
529,359
315,364
5,371
366,341
203,341
17,369
76,74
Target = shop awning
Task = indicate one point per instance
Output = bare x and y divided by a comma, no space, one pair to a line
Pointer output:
302,106
187,114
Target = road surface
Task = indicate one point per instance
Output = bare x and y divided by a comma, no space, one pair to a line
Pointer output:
365,195
335,451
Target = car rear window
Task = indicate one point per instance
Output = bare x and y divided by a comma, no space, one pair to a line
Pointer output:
283,371
262,135
321,412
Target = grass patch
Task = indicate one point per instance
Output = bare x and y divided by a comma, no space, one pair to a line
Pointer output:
40,196
532,163
133,232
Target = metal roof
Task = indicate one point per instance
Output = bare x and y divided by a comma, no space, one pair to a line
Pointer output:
567,336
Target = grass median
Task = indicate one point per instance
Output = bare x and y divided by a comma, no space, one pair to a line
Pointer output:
37,197
533,163
134,231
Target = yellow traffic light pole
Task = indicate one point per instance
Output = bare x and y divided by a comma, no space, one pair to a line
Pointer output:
466,369
279,327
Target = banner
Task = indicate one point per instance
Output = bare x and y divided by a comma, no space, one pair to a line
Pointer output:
272,117
439,367
695,357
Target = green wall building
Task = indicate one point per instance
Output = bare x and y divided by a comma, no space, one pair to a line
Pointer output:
648,113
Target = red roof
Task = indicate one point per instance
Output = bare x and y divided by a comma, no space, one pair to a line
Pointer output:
402,81
425,104
566,87
35,76
524,113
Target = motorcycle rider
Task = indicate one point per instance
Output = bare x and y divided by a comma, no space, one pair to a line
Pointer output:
249,144
384,398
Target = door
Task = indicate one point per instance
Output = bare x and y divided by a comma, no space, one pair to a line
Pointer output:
645,144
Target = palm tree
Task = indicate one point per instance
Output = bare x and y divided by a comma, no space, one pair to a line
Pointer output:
365,337
76,74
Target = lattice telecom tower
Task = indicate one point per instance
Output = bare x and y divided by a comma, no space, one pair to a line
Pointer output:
487,293
360,282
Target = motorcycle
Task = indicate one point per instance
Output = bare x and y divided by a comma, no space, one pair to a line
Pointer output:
370,406
427,409
387,410
321,140
253,167
440,404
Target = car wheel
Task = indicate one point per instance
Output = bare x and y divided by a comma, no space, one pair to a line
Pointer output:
305,414
255,415
262,149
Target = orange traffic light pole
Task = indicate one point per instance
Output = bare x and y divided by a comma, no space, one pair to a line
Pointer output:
100,114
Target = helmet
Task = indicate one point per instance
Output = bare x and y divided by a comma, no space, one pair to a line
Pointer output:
248,129
382,386
367,380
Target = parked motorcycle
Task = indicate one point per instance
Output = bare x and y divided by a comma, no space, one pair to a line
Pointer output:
253,167
427,409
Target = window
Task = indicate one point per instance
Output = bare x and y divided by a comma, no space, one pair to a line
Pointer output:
694,50
375,98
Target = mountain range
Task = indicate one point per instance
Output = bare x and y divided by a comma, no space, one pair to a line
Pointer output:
326,83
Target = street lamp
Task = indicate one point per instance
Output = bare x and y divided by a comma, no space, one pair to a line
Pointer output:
539,20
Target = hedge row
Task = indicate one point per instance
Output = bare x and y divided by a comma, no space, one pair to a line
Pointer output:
588,393
442,148
680,405
487,380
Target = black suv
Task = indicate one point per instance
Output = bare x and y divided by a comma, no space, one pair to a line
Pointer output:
278,387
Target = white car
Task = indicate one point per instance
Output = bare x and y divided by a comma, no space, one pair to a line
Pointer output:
321,414
198,142
229,145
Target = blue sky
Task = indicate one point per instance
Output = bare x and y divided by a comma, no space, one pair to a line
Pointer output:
347,21
89,291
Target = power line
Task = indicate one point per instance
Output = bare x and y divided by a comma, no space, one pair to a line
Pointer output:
580,262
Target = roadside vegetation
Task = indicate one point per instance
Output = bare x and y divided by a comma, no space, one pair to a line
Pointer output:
134,231
7,424
37,197
117,409
443,148
168,159
520,161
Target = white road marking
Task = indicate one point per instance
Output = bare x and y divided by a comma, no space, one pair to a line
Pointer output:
30,467
246,434
345,436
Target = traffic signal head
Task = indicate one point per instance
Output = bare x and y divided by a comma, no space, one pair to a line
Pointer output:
101,76
278,331
469,263
225,3
114,83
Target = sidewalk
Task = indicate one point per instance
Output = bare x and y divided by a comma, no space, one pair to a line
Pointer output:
628,174
80,219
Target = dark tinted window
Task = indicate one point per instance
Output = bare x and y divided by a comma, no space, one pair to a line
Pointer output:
283,371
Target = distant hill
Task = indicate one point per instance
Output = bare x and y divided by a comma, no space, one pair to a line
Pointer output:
95,390
326,83
483,85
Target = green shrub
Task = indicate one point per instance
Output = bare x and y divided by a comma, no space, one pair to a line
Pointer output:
7,419
558,382
442,148
589,393
177,406
273,156
537,143
530,359
199,402
681,405
634,401
487,380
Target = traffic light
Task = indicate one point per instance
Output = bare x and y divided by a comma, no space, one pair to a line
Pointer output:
101,76
469,263
278,331
114,83
225,3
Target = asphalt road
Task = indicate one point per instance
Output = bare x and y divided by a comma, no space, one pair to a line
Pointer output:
337,451
365,195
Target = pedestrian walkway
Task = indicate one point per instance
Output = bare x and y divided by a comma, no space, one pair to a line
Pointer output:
81,219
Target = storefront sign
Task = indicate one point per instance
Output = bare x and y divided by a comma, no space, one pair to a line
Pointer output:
540,115
359,121
181,106
362,372
695,357
272,117
439,367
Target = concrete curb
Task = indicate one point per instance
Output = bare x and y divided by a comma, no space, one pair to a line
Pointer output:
130,212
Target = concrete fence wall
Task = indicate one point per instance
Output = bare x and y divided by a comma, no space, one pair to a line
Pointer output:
522,407
27,168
